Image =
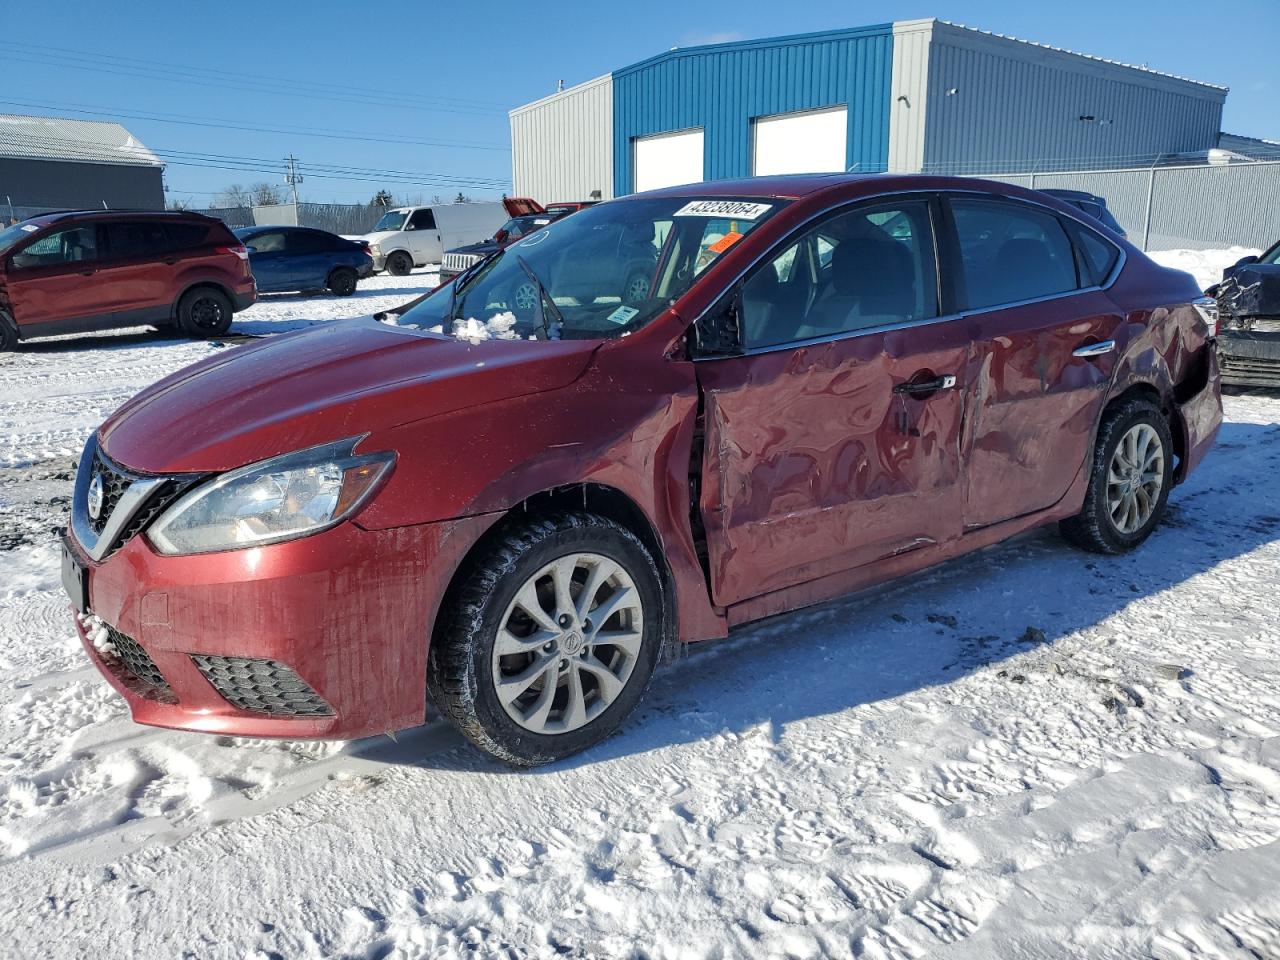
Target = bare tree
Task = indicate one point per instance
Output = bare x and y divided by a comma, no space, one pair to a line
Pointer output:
265,195
177,204
233,196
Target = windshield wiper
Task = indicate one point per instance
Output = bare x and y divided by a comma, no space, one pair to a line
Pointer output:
544,299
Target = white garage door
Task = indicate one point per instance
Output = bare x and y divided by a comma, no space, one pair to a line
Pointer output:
809,142
668,160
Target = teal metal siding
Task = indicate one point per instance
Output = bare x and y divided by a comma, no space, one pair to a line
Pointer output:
723,87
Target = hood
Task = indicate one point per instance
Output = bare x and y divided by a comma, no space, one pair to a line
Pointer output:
1252,290
343,378
484,246
373,238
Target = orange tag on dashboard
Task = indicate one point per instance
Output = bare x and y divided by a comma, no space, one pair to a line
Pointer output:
725,242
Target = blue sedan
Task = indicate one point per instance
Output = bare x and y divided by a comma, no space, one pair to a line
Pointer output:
299,258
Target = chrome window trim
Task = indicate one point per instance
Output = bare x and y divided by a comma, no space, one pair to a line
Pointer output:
139,490
906,324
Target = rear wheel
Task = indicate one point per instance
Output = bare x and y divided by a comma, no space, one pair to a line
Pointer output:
8,333
551,639
1130,480
204,312
399,264
342,282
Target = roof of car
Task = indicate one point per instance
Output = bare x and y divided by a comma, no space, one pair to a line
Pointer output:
797,185
54,215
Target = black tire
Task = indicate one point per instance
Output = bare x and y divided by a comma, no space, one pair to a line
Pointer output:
204,312
461,664
342,282
8,333
399,264
1094,528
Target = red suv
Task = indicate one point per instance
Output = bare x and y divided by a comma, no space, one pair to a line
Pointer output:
826,382
94,270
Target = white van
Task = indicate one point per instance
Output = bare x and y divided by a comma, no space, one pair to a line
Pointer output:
408,237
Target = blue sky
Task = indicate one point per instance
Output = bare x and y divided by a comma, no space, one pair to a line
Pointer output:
438,78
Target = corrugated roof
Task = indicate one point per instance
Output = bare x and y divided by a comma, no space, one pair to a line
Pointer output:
56,138
1084,56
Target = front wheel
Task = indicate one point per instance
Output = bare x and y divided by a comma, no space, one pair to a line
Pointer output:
1130,480
399,264
550,640
204,312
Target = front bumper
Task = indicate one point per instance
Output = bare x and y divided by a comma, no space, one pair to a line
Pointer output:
1249,357
347,612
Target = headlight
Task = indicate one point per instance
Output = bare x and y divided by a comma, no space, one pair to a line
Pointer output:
375,250
284,498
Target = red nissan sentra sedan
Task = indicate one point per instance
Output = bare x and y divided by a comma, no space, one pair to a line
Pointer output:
830,381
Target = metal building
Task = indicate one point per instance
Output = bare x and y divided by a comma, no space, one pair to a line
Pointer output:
50,163
920,95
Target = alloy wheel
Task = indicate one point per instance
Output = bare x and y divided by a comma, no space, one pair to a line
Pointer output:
568,643
526,297
637,289
1135,478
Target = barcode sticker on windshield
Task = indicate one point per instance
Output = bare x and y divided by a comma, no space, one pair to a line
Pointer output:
738,209
623,314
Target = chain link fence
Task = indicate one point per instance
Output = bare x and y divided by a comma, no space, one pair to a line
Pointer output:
351,219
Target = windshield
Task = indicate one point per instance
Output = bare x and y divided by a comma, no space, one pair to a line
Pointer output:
391,220
605,271
11,235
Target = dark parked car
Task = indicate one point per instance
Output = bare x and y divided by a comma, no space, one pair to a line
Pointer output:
1092,204
1249,320
76,271
300,258
824,382
517,228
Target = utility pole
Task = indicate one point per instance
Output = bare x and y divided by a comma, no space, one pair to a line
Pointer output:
293,178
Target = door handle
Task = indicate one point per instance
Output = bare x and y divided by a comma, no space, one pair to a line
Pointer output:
1094,349
928,386
88,273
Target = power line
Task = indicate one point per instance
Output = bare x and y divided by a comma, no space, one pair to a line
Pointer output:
215,123
44,49
141,73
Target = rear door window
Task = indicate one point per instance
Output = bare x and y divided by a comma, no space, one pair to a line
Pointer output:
134,240
1011,252
73,245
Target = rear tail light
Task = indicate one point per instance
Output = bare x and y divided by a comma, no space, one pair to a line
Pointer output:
1207,307
240,250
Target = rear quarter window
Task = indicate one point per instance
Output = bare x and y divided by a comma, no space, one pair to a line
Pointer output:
1098,256
184,236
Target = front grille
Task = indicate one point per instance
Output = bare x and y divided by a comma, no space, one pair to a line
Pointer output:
262,686
137,668
1249,371
459,261
115,481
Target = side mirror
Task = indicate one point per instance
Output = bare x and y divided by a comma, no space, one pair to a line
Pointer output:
719,332
1245,261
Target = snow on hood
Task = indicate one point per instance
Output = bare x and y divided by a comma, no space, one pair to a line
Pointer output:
325,383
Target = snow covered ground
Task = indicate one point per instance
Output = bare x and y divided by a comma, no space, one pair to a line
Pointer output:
1031,752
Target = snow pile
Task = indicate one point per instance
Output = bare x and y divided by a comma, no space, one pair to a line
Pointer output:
501,326
1205,265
